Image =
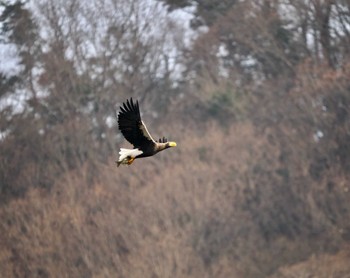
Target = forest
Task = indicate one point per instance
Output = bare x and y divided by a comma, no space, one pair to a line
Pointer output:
256,93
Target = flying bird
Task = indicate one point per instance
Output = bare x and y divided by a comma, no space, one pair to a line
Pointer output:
135,131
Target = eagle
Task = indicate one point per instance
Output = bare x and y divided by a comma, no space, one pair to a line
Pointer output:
135,131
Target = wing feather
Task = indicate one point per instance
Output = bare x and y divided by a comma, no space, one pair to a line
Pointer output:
131,125
162,140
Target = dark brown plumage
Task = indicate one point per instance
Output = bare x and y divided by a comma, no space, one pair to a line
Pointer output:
135,131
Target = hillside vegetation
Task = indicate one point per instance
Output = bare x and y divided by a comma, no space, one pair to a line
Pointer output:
258,185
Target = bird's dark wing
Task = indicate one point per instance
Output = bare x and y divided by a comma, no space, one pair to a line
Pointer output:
164,140
132,127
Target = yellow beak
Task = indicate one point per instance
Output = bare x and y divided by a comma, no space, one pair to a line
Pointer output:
172,144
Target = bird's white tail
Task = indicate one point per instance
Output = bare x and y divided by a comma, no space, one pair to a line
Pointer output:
127,156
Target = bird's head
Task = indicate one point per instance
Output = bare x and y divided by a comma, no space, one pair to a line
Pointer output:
170,144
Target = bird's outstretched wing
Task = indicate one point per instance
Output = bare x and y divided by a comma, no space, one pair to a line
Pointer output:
131,125
164,140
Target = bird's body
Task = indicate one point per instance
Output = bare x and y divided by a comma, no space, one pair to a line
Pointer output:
135,131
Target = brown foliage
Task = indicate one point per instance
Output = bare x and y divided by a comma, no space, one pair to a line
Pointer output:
224,202
259,180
